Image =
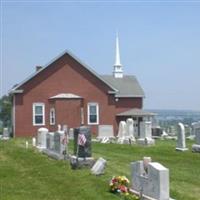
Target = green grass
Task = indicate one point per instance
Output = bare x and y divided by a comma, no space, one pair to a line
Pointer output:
30,175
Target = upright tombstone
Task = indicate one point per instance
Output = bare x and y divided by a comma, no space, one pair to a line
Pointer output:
41,138
146,133
71,133
85,150
130,129
122,129
150,180
181,145
105,131
6,134
196,146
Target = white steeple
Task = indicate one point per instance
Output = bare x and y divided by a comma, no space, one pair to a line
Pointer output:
118,71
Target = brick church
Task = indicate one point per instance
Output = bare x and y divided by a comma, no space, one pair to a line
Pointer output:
67,91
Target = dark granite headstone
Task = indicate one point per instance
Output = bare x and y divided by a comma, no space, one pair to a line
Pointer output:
86,150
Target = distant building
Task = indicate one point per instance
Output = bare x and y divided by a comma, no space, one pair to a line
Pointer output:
66,91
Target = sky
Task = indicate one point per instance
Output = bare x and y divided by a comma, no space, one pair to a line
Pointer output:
159,43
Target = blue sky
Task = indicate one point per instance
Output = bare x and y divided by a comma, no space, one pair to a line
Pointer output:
159,43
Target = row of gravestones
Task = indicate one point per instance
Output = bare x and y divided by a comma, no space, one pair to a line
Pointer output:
127,132
181,144
53,144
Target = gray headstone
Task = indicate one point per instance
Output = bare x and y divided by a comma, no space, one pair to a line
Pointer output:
99,167
152,182
181,145
196,146
105,131
146,133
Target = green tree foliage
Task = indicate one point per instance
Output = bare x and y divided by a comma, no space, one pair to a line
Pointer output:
5,110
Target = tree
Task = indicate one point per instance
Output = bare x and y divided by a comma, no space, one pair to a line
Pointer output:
5,110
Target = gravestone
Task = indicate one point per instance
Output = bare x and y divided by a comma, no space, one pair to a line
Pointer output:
196,146
59,127
146,134
6,134
130,129
105,131
56,145
150,180
41,138
181,145
99,167
33,142
71,133
86,150
122,129
82,152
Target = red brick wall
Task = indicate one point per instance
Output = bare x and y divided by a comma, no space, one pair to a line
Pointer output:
66,76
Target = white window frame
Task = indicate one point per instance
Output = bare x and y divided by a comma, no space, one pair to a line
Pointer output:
43,114
88,113
52,110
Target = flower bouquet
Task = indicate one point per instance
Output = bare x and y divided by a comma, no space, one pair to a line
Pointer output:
120,185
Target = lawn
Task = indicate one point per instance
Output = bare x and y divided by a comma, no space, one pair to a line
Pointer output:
30,175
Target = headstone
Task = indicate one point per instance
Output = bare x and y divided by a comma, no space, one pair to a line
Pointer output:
130,129
56,145
105,131
99,167
26,144
152,182
33,141
6,134
181,145
122,129
146,133
65,128
41,138
196,146
71,133
86,150
59,127
59,142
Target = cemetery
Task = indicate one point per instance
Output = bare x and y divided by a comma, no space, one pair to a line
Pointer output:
71,164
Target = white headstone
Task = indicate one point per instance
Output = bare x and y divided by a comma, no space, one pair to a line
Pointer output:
59,127
181,146
99,167
122,129
33,141
41,138
129,127
196,146
6,134
151,183
105,131
26,144
146,133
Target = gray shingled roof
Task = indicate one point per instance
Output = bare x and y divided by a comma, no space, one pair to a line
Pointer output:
128,86
135,112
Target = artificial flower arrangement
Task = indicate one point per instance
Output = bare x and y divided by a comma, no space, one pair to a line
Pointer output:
120,185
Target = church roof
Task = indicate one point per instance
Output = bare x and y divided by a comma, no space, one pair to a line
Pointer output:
128,86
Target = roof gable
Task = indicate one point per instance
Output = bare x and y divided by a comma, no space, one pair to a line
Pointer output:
17,88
